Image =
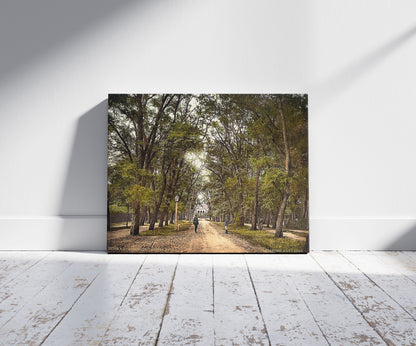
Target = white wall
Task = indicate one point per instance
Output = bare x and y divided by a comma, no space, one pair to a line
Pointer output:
60,59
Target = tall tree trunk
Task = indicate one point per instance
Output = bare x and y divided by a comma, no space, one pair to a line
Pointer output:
268,218
158,204
135,222
286,192
305,205
242,219
240,201
288,221
256,202
127,216
167,215
163,217
227,197
274,221
143,216
281,212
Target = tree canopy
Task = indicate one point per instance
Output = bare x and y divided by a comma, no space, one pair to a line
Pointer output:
244,156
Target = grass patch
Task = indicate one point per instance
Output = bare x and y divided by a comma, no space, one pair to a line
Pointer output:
119,225
266,239
167,230
300,234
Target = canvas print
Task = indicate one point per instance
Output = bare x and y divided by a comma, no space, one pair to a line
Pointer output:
208,173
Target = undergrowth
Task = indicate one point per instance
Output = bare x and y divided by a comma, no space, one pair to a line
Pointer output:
266,239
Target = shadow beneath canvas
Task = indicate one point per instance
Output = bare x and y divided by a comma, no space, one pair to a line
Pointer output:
83,202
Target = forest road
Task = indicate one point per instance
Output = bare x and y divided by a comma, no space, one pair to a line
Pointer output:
209,238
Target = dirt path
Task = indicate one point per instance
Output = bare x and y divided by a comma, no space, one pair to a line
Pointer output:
208,239
122,233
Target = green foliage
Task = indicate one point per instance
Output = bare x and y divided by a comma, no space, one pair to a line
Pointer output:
300,234
154,139
267,240
245,143
130,172
116,209
185,136
139,194
231,183
273,179
168,230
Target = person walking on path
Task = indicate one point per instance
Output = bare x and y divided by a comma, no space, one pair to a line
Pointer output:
226,222
196,222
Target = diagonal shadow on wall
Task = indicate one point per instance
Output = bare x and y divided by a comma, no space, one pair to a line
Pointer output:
31,29
83,202
340,81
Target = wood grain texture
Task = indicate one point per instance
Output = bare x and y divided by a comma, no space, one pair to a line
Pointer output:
386,316
287,317
397,286
139,317
238,320
12,264
93,312
39,316
338,319
16,293
337,298
189,315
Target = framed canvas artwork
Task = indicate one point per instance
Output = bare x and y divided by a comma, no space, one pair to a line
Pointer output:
208,173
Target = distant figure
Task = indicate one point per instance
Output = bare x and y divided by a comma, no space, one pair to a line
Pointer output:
196,222
226,223
261,224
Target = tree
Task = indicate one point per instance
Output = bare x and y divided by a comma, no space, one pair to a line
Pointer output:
286,189
252,149
134,124
153,134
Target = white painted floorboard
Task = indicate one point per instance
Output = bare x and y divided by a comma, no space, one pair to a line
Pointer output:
336,298
398,287
238,320
189,315
12,264
34,321
139,317
92,314
339,320
287,317
16,293
385,315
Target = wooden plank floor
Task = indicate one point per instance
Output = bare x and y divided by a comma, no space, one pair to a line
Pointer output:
81,298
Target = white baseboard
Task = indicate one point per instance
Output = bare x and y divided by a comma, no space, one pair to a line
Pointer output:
89,233
54,233
362,234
